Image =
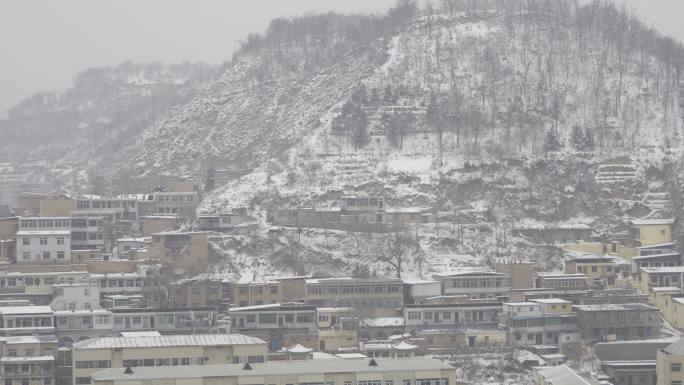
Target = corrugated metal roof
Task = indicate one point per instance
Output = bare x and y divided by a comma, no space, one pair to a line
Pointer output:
170,340
309,367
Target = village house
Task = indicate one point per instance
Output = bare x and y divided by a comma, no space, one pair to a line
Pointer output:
452,316
182,204
180,249
44,247
28,360
474,283
601,271
200,292
220,222
631,362
371,297
26,320
575,281
280,324
419,370
618,322
656,260
152,224
93,355
249,293
648,232
669,363
337,328
417,291
652,277
521,272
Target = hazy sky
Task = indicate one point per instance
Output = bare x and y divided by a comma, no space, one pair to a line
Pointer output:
44,43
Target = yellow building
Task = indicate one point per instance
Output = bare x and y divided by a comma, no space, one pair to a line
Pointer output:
337,328
554,305
601,270
417,370
671,304
59,206
170,351
190,249
652,231
600,248
670,364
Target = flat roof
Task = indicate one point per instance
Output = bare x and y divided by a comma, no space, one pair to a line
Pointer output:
550,300
665,269
152,333
27,359
275,368
343,280
168,341
43,232
656,256
612,306
654,221
12,310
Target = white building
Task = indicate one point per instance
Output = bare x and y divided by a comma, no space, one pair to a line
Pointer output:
76,296
43,246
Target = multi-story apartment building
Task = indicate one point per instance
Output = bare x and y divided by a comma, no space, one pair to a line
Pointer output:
418,370
200,292
38,283
656,260
26,320
147,280
182,204
87,233
8,231
28,360
337,328
452,316
670,364
370,296
620,322
475,284
524,323
281,325
249,293
166,352
44,247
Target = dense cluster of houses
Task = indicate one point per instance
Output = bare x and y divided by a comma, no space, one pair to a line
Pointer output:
89,293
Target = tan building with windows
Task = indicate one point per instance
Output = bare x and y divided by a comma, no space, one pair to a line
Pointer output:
180,249
256,293
652,231
152,224
399,371
28,360
169,351
670,364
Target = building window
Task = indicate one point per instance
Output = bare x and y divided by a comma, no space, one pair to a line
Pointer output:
414,315
46,255
675,367
60,241
82,380
43,241
60,255
267,318
26,241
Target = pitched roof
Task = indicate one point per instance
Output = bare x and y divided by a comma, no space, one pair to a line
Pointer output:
167,341
309,367
676,348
